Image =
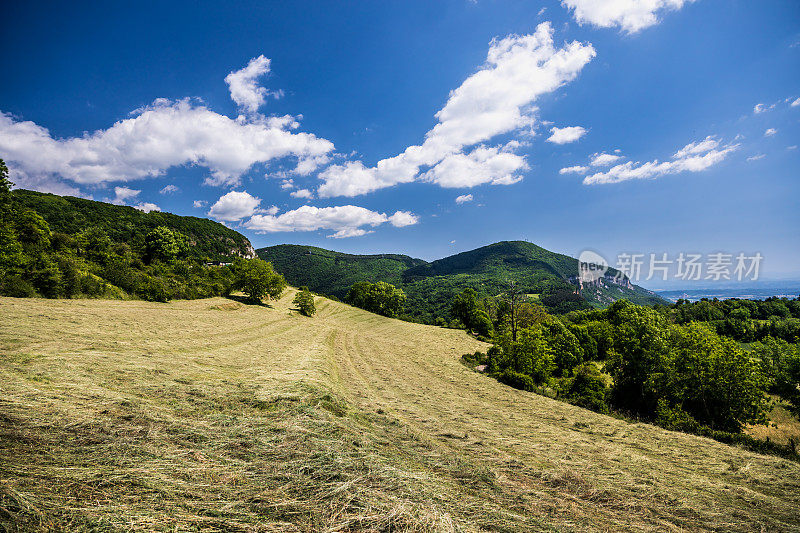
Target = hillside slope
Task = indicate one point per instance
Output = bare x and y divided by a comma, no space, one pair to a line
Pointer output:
431,286
210,415
67,214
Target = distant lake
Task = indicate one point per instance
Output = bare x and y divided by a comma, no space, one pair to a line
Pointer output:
724,293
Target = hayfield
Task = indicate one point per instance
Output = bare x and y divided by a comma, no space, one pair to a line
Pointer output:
211,415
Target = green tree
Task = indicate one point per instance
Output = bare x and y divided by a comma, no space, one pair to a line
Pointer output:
166,245
381,298
257,279
304,301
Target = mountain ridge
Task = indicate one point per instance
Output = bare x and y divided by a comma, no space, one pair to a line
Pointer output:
430,286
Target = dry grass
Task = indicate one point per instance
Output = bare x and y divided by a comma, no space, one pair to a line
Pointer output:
215,416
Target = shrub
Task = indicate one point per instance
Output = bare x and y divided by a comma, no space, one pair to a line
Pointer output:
587,388
17,287
517,380
304,301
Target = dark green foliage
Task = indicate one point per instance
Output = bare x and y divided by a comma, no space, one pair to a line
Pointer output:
682,376
304,301
257,279
587,388
517,380
469,310
381,298
208,240
431,287
56,246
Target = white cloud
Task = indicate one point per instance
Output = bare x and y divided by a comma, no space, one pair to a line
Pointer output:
569,134
344,221
401,219
464,198
243,87
700,147
169,189
792,147
287,184
756,157
629,15
770,132
495,100
483,165
147,207
795,103
603,159
759,108
199,203
234,206
302,193
160,136
577,169
693,157
123,194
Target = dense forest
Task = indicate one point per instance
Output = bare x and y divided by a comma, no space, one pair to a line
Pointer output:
430,287
54,246
710,367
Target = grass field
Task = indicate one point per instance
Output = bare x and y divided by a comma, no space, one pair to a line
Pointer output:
210,415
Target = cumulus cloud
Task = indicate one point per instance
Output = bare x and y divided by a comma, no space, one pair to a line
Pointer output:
234,206
497,99
287,184
169,189
570,134
302,193
344,221
493,165
243,87
770,132
759,108
464,198
401,219
199,203
693,157
577,169
147,207
603,159
123,194
631,16
155,138
796,103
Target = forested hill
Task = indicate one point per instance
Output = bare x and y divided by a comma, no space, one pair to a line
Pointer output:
431,286
208,240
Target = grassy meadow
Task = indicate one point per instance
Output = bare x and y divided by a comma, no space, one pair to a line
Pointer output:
212,415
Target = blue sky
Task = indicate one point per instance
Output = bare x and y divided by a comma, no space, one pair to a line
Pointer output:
694,99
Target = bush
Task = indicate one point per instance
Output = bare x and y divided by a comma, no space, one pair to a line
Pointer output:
304,301
587,389
17,287
517,380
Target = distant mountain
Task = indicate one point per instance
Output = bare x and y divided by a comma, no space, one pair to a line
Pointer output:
66,214
430,286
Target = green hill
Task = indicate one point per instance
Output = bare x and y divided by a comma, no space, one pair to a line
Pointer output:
430,287
65,247
209,240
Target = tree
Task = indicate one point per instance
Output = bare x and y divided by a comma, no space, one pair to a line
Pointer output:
257,279
304,301
467,308
381,298
165,245
513,297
